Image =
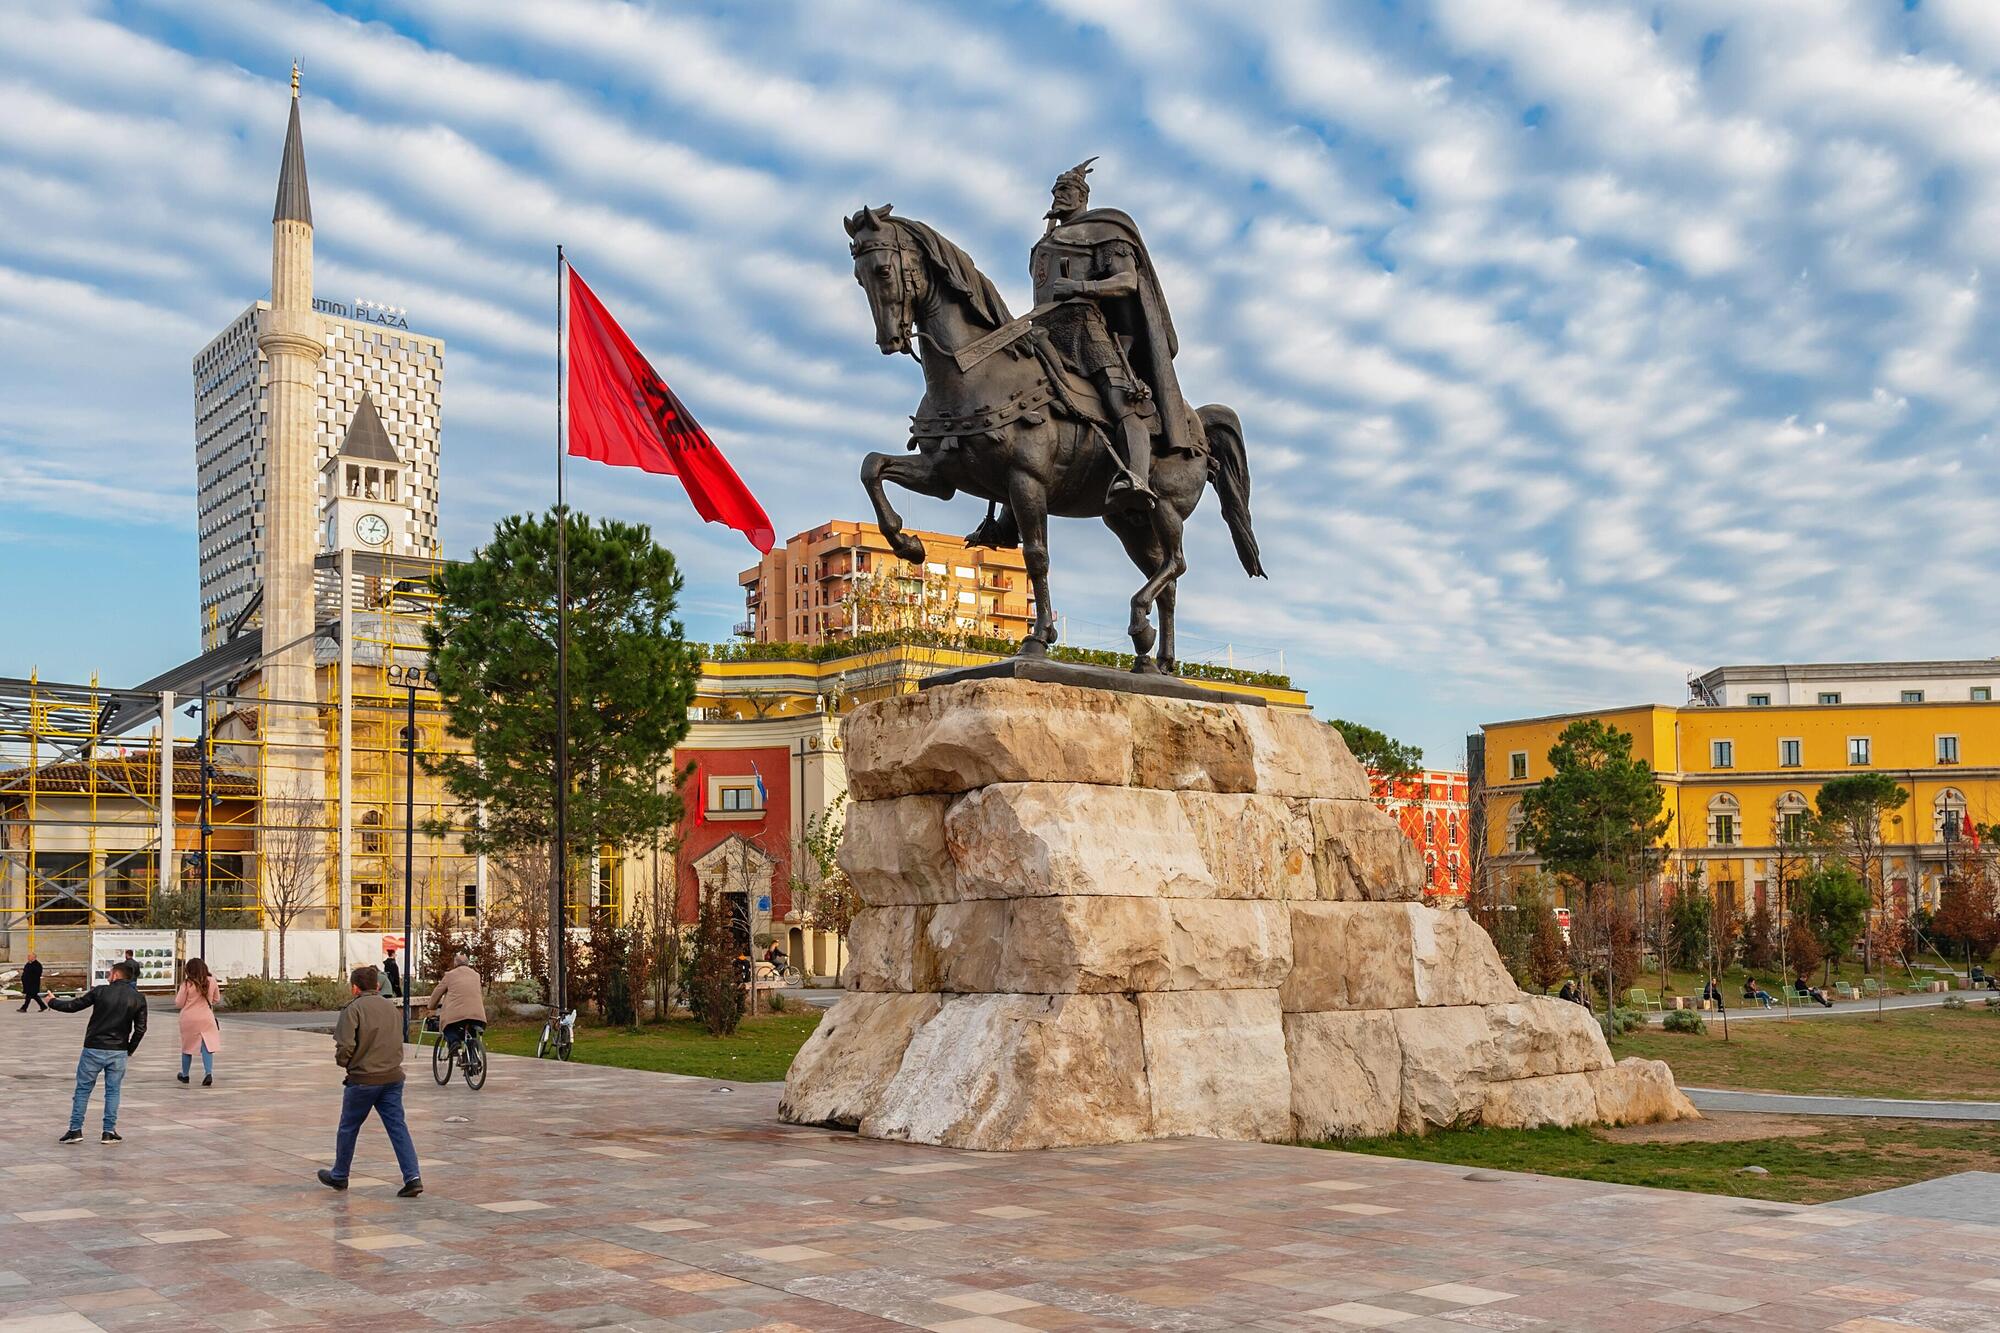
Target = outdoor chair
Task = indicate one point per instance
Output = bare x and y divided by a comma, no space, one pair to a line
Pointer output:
1870,988
1638,999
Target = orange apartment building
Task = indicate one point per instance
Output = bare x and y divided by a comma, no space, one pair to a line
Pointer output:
841,579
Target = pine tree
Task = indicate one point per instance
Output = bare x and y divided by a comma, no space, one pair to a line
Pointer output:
631,679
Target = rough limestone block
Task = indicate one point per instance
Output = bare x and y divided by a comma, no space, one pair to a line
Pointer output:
1349,956
1454,960
1179,745
1638,1091
842,1069
1253,846
1449,1056
1099,945
1347,1073
958,737
1214,945
1540,1035
1359,854
962,943
1295,754
1552,1099
1390,956
893,852
1008,1072
882,949
1215,1062
1016,840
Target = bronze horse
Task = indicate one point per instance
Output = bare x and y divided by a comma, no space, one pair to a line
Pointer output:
1001,420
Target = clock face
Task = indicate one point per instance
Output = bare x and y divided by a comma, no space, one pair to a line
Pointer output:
372,528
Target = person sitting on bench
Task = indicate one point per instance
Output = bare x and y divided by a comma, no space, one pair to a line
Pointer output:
1753,992
1813,993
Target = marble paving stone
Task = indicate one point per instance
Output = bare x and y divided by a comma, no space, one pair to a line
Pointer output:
182,1237
1356,1314
988,1302
392,1241
514,1206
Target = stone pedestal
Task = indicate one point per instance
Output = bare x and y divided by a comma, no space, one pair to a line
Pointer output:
1096,917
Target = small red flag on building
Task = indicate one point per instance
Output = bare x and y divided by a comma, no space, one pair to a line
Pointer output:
621,412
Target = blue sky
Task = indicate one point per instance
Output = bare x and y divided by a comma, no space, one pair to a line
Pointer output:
1579,345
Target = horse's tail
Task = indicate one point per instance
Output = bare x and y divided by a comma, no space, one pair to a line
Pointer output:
1229,469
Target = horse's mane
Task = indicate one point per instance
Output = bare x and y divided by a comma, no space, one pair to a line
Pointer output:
958,271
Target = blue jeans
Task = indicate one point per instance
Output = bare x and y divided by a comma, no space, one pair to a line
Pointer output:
386,1101
89,1065
207,1061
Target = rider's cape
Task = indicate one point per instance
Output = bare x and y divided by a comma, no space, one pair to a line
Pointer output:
1141,318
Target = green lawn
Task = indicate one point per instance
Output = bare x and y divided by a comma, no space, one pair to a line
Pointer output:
1689,983
760,1051
1925,1053
1830,1159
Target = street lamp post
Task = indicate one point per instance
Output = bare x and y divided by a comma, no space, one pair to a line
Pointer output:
409,850
1948,832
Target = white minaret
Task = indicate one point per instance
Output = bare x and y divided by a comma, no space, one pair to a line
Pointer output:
292,342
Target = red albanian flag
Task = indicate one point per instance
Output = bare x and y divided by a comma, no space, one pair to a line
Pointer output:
622,413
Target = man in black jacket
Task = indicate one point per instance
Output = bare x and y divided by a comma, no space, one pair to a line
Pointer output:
31,983
117,1026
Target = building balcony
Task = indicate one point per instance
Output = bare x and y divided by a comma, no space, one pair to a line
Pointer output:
744,628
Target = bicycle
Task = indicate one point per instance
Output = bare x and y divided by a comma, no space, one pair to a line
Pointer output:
558,1036
786,977
470,1058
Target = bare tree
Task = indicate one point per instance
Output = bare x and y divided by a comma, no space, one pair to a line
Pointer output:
293,852
820,889
519,883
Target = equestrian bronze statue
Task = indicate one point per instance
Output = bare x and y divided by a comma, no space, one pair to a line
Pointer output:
1073,409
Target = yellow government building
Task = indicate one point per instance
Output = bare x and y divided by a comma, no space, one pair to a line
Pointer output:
1750,750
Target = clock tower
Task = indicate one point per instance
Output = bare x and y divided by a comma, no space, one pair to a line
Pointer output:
371,505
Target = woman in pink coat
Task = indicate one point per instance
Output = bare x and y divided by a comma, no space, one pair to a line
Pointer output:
196,999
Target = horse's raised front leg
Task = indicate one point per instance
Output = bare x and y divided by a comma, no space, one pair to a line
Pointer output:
1030,502
913,472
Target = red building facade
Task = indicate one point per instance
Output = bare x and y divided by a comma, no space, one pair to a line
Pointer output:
1432,809
737,832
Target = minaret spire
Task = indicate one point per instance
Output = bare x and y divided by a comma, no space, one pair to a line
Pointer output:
294,201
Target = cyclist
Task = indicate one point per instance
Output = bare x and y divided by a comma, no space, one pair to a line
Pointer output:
777,958
459,1002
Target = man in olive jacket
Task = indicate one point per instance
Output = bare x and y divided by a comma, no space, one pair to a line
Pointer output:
117,1026
368,1044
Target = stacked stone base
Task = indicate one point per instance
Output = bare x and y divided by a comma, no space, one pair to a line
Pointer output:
1095,917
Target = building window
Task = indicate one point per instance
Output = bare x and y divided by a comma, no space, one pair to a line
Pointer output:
1913,696
1857,749
1517,766
1760,701
1982,694
470,897
1829,697
1722,754
1947,749
1791,752
736,798
1723,821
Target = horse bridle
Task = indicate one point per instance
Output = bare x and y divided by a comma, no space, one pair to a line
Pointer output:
906,256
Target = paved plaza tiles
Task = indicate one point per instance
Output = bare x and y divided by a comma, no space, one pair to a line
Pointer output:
579,1197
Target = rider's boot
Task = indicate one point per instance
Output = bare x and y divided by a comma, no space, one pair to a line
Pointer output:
1130,489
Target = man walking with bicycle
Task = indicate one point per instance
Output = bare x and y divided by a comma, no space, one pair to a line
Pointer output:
368,1044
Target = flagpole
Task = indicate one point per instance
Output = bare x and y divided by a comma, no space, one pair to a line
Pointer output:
558,995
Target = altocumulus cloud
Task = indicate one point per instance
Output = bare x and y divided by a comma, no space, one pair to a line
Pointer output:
1580,344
